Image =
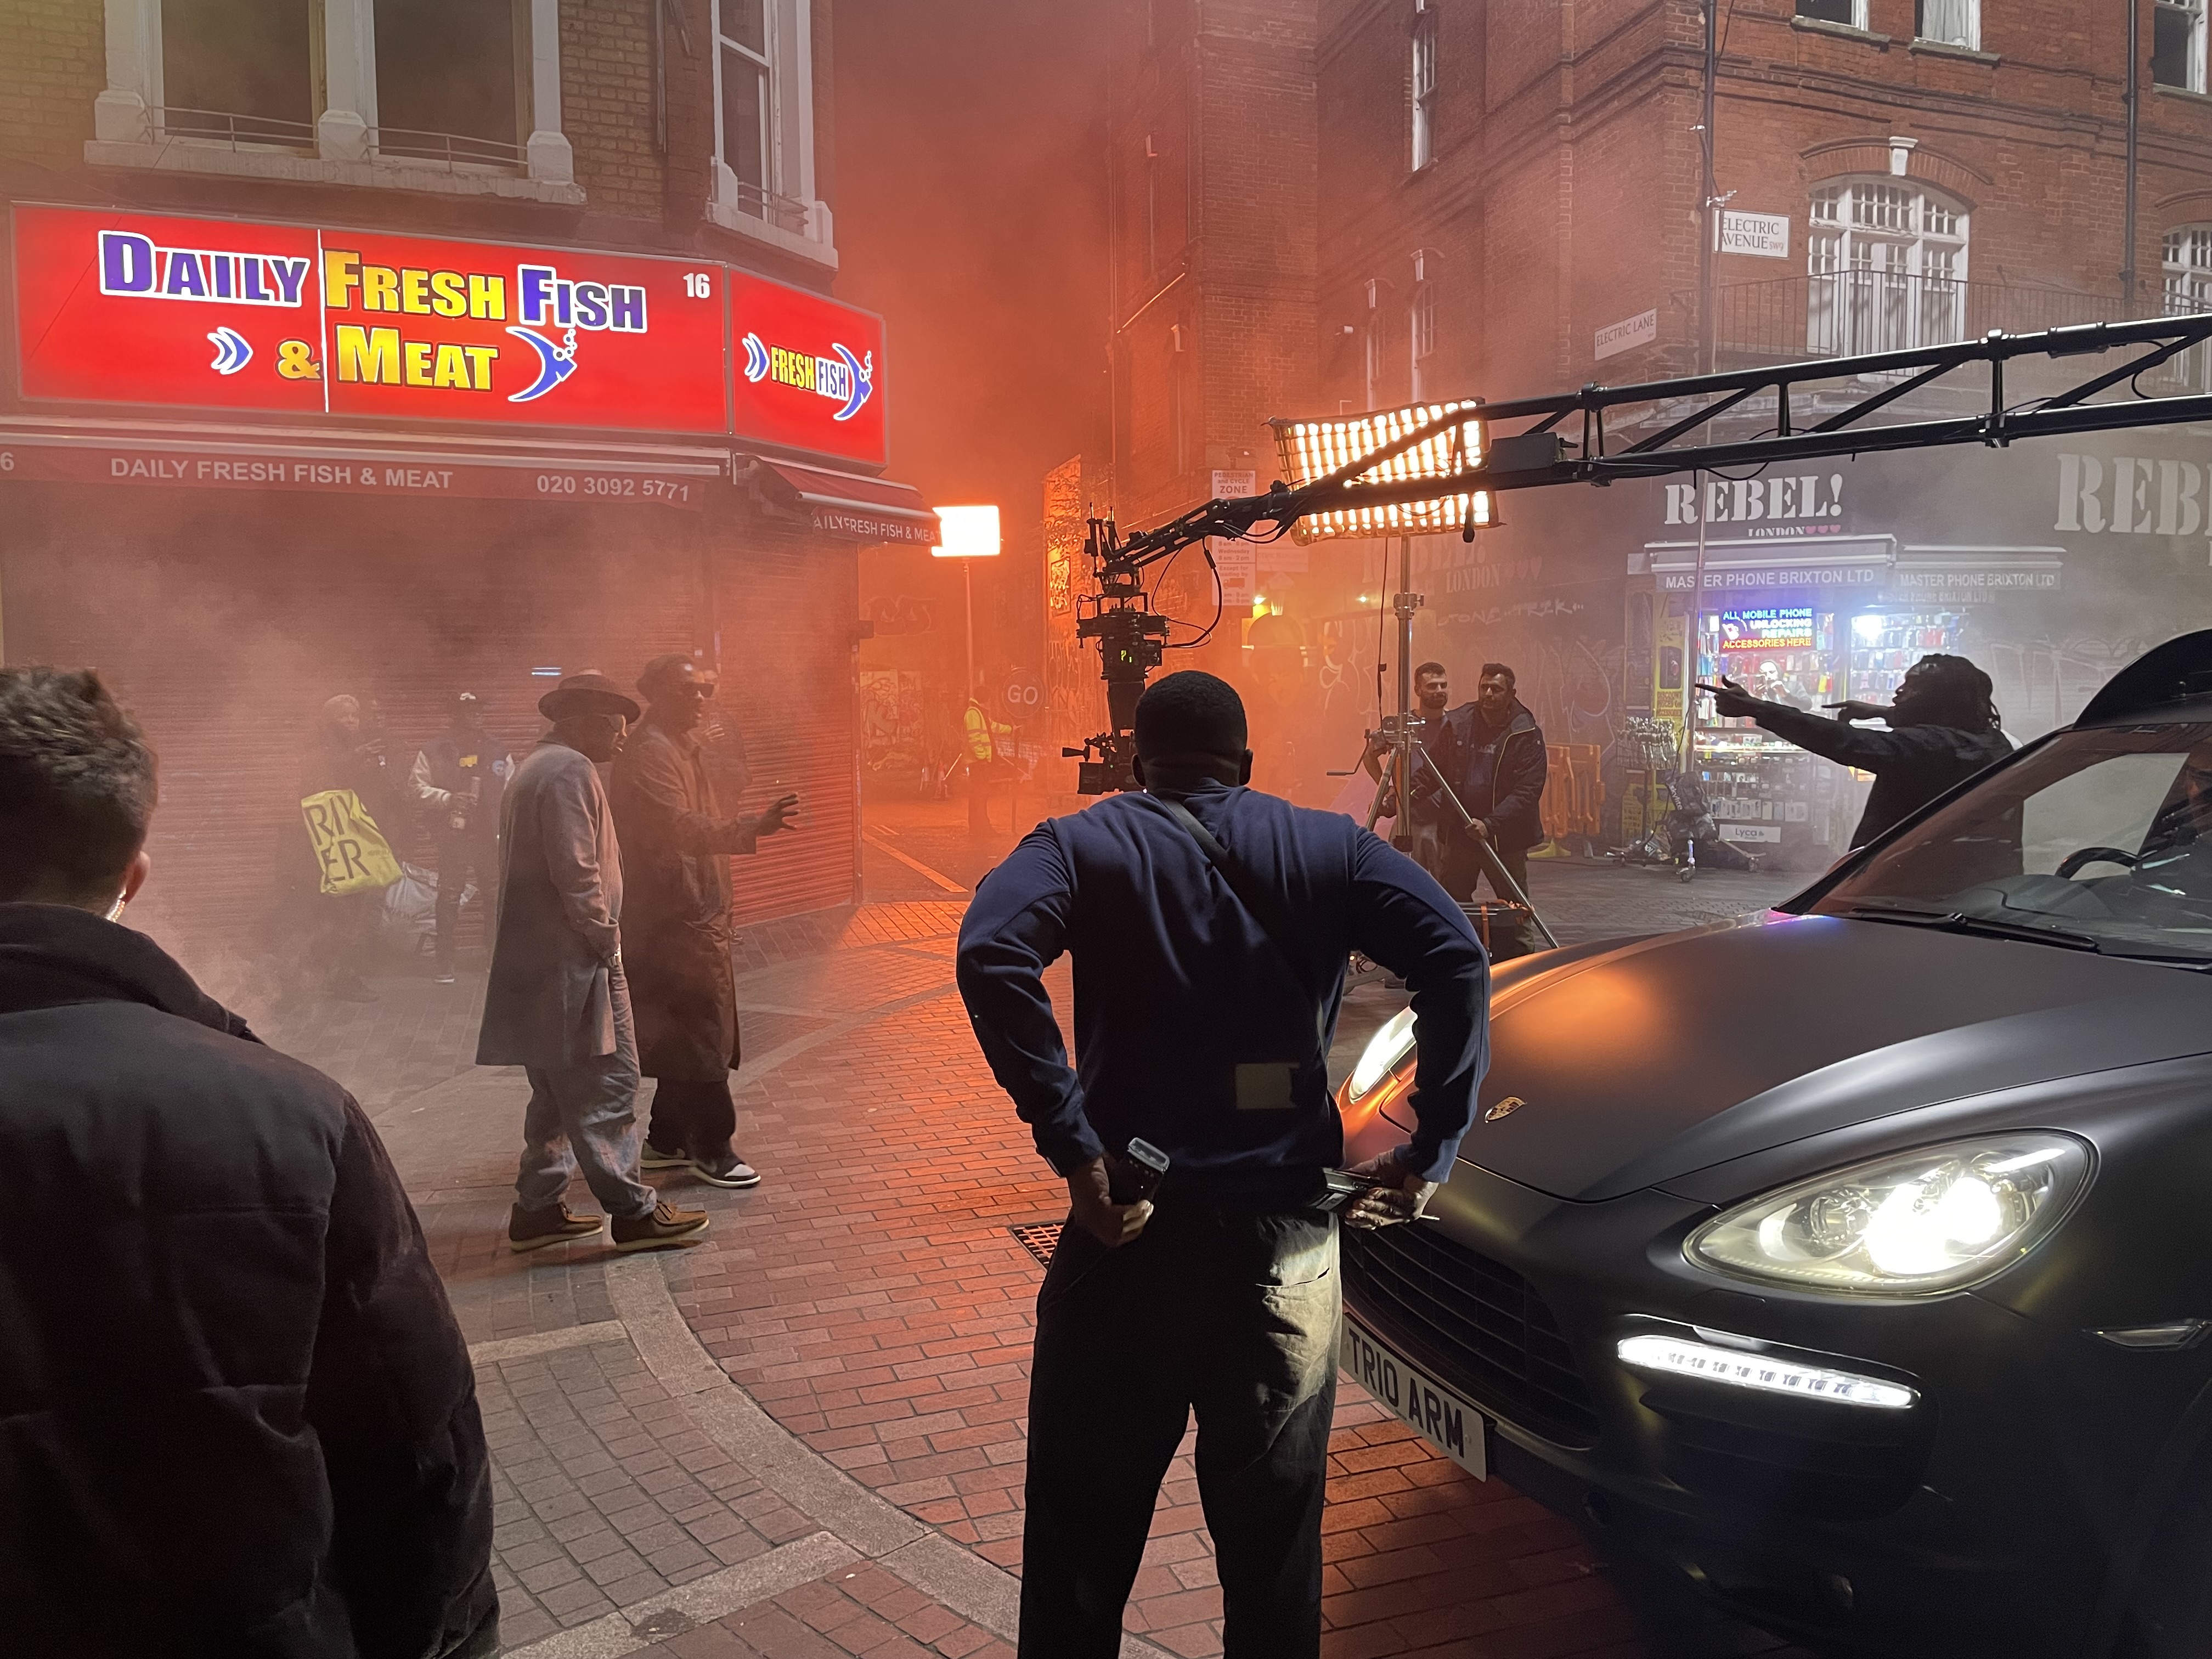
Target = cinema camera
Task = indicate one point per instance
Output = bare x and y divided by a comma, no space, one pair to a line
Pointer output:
1397,472
1132,638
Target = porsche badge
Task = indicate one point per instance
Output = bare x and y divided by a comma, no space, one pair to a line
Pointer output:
1504,1108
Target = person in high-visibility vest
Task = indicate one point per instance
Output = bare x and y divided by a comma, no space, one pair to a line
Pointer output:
990,750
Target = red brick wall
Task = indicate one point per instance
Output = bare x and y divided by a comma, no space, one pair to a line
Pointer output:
54,63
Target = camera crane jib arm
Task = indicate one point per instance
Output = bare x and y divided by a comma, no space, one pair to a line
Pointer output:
1131,637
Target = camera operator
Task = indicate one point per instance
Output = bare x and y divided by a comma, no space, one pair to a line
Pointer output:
1203,1021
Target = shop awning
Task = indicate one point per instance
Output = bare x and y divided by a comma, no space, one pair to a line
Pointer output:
1860,562
1968,575
848,504
192,455
1868,567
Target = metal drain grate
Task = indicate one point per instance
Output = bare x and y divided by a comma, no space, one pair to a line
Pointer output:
1039,1239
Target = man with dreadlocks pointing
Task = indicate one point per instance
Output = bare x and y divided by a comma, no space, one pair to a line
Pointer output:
1942,730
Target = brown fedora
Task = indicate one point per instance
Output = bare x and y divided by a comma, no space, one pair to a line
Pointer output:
589,693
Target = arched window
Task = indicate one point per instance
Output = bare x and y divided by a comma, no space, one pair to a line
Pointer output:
1886,264
2188,270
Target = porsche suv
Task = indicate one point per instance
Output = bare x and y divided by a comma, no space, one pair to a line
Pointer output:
1854,1259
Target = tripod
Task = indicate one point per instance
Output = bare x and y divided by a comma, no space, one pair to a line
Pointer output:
1408,753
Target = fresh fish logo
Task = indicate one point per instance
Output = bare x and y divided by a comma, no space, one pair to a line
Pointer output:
862,373
555,363
232,353
845,377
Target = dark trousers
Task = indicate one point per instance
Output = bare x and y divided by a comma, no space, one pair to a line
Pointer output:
694,1118
1463,869
461,860
1234,1316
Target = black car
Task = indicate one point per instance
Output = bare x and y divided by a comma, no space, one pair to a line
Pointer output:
1854,1259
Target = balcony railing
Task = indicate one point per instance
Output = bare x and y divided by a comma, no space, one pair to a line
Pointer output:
1847,312
229,127
450,150
784,212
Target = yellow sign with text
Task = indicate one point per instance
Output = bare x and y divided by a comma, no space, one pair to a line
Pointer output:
350,850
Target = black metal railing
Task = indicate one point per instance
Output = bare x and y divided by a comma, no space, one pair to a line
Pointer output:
1858,310
784,212
452,151
230,127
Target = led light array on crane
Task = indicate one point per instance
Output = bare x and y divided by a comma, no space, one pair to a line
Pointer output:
1342,451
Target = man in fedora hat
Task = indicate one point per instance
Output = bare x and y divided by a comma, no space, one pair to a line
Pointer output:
680,931
557,1004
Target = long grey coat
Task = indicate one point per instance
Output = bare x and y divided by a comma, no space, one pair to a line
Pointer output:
559,920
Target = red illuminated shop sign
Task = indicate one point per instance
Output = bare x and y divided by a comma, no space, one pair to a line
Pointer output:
809,373
139,308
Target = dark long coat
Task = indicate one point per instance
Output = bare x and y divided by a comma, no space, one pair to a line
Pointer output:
676,927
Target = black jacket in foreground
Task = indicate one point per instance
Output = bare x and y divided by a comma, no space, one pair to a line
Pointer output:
1911,765
237,1419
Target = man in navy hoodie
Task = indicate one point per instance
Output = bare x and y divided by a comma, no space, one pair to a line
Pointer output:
1203,1027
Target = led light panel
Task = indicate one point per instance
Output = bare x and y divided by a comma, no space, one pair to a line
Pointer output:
1311,450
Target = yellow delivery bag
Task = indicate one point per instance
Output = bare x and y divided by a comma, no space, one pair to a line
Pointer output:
349,849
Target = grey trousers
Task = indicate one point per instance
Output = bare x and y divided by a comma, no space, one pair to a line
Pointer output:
584,1117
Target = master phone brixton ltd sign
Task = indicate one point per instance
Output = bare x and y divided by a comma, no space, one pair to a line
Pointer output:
238,315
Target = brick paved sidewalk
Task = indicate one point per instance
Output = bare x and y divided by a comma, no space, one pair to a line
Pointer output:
804,1437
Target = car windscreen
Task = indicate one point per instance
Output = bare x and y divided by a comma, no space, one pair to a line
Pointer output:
2099,839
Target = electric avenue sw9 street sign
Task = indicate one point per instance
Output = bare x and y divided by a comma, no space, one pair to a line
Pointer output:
220,313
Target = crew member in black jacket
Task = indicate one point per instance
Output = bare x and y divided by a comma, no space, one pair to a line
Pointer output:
1942,730
1494,755
237,1420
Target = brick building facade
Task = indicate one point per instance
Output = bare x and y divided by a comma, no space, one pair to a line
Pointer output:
1509,200
537,541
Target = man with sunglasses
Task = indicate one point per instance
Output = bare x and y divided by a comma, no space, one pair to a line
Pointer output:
677,928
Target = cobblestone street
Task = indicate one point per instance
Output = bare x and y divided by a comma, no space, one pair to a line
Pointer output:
804,1437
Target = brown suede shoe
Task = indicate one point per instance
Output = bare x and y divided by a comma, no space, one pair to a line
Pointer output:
534,1229
666,1225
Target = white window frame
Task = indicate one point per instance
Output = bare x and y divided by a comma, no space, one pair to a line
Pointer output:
1424,71
1886,263
129,129
2194,68
1421,338
1962,28
2186,266
797,220
1859,16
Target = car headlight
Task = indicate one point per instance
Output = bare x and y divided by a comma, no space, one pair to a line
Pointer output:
1383,1052
1913,1224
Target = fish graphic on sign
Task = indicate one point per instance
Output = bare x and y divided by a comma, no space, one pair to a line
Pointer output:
845,377
555,363
232,352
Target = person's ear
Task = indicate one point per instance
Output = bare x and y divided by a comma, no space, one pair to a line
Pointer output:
134,876
1137,770
1244,768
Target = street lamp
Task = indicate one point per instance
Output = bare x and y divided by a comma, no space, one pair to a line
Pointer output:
967,533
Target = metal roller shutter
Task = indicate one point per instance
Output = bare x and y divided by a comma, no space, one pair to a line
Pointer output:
786,604
224,625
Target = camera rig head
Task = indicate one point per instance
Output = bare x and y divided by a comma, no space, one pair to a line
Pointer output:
1132,638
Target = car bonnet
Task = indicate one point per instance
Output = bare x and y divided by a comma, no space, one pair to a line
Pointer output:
1643,1064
